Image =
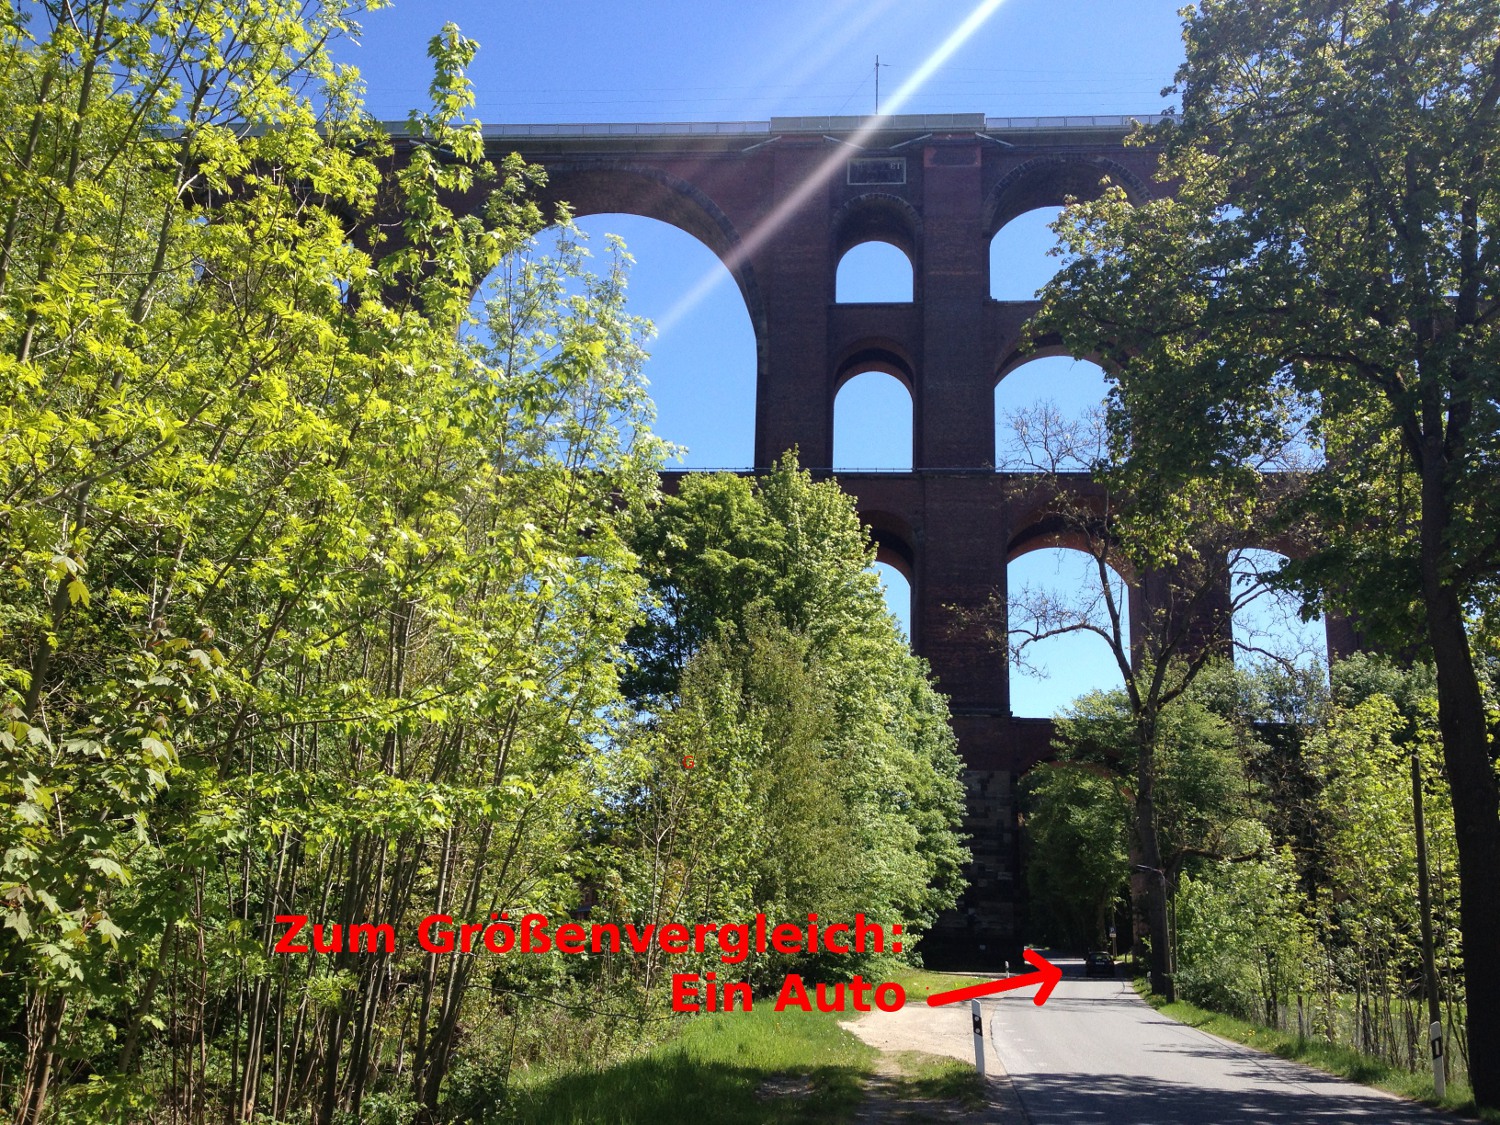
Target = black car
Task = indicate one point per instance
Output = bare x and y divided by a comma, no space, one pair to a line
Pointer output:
1098,965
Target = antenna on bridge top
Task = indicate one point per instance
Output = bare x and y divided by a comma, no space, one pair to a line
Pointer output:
878,65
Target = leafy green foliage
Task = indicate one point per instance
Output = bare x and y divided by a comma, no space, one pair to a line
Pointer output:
1245,943
1327,260
1081,826
1077,832
1294,852
1363,758
822,751
315,582
310,602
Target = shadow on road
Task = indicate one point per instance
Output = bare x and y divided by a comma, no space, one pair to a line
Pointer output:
1120,1099
1097,1053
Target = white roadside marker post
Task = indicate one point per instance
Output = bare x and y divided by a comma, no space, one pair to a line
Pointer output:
978,1037
1439,1079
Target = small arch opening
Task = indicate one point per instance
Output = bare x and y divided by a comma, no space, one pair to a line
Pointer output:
872,424
1020,258
1267,623
1057,610
1050,415
897,590
874,273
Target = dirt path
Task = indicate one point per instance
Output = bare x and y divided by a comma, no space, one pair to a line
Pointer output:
913,1034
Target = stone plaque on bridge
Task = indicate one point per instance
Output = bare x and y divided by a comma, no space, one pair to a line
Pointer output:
878,170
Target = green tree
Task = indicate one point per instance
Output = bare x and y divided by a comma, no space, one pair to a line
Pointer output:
1244,939
1185,575
1200,800
1077,856
312,603
1329,251
743,805
763,587
1275,711
1182,571
1380,739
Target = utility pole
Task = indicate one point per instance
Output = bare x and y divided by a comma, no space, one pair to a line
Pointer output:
878,65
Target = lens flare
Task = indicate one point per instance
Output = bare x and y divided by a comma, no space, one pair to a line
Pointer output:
822,42
824,172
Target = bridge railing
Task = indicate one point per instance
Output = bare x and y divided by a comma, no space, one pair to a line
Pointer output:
778,125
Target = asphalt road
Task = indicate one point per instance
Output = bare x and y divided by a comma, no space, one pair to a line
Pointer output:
1095,1052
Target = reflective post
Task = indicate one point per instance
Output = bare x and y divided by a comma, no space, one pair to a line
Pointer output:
1439,1079
978,1036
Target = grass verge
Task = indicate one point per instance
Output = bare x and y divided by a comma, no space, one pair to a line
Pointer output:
742,1067
920,983
1341,1061
937,1078
732,1067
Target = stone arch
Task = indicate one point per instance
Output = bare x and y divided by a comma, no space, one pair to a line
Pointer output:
874,272
1048,412
1020,256
1044,346
1088,660
875,354
705,349
1048,181
883,430
591,188
887,357
896,547
1044,528
895,542
1044,531
877,217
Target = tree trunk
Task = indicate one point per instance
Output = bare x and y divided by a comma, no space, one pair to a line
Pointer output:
1160,966
1424,899
44,1022
1471,777
1476,822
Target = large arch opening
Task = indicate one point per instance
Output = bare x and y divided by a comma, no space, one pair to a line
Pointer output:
1267,623
702,361
1050,181
897,590
1049,416
874,272
1021,261
872,422
895,565
1057,609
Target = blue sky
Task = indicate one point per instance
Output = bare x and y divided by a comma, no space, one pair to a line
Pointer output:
668,60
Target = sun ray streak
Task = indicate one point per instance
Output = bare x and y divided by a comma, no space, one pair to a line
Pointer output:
824,44
825,171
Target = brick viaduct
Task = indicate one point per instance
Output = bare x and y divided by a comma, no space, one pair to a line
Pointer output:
780,203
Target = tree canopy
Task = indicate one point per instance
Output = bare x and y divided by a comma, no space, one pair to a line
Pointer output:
768,582
316,585
1327,251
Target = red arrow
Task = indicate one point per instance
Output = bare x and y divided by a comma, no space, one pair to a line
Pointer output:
1047,975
